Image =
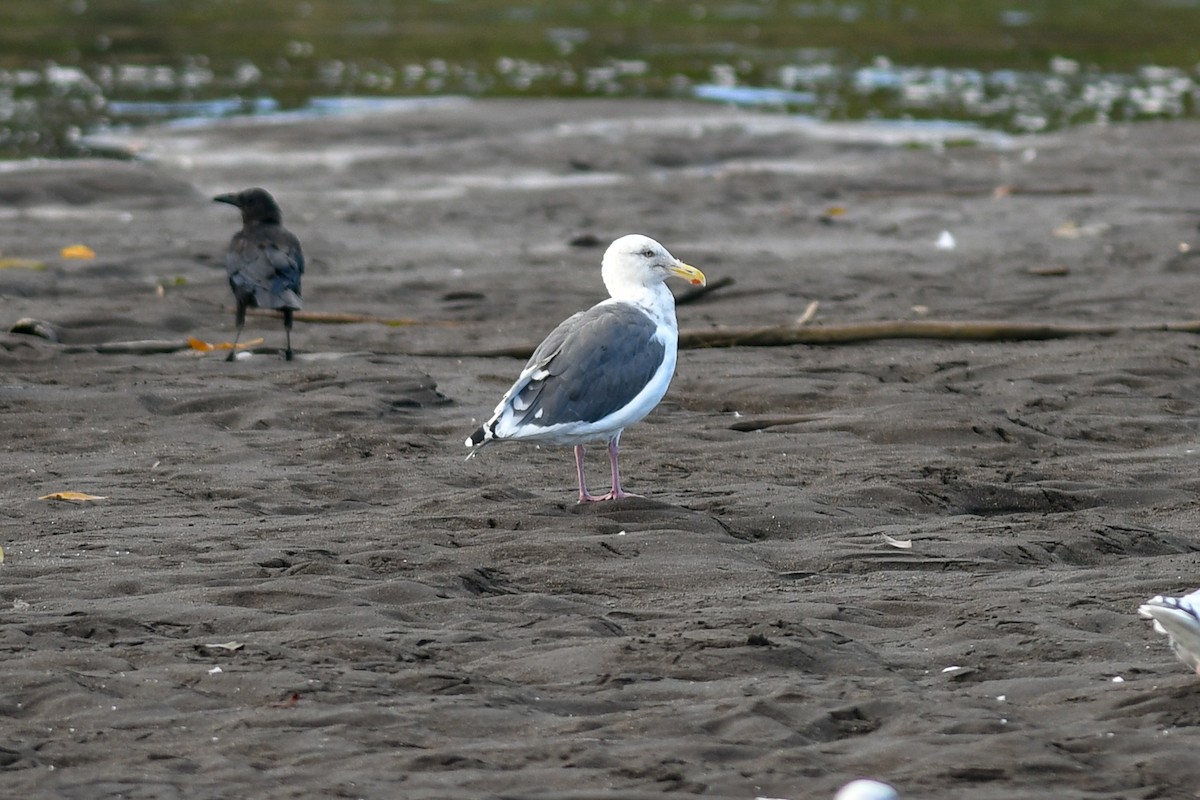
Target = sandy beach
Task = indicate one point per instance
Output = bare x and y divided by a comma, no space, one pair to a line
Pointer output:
296,587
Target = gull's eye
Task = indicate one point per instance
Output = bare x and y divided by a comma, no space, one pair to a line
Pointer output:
648,253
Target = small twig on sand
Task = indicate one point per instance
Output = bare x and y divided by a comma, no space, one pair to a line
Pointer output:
692,295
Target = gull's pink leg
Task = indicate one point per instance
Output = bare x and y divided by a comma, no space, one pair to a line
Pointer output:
617,492
584,496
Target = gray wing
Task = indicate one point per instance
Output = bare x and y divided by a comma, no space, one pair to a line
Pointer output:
264,268
591,365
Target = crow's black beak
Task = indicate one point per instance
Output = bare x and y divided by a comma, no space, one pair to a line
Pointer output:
231,199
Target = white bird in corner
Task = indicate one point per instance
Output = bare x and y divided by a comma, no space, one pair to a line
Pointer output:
603,369
1179,619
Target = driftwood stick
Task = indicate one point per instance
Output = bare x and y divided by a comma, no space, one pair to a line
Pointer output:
1050,190
768,336
966,330
143,347
954,330
342,318
1002,190
149,347
1190,326
849,333
329,317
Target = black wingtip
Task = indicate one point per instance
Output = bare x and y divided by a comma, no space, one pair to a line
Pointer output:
476,441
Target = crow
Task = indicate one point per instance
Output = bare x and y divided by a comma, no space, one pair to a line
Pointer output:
264,262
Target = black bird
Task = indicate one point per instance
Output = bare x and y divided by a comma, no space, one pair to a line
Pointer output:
264,262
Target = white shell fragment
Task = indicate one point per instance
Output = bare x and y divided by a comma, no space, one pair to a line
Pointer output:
864,789
1179,619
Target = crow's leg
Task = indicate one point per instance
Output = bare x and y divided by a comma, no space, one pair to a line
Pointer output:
240,320
287,329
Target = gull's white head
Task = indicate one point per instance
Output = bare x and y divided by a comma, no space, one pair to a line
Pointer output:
635,263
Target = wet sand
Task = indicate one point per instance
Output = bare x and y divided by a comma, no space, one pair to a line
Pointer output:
297,587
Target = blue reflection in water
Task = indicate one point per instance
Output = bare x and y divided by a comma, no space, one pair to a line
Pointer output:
753,95
202,109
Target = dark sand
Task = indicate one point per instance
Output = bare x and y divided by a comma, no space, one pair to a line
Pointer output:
418,626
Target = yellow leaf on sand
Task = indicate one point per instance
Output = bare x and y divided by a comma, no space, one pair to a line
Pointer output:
78,251
71,496
205,347
197,344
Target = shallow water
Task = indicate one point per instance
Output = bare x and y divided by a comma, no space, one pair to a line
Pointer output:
71,69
